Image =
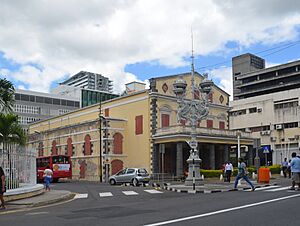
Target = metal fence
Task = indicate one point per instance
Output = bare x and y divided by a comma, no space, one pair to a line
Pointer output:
18,164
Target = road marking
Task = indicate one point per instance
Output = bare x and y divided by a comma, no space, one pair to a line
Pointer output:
152,191
222,211
264,188
280,189
130,193
105,194
37,213
81,196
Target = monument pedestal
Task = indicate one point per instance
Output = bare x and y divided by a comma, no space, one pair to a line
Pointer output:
194,171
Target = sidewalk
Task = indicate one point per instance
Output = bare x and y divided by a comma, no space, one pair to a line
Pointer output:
46,198
214,185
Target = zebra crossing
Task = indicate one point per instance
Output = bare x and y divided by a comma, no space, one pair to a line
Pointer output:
126,193
272,188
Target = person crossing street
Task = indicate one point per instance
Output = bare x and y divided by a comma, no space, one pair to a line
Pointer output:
242,174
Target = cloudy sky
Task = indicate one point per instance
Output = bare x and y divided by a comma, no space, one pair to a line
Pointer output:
43,42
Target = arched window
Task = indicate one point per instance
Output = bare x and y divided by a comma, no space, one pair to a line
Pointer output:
87,145
54,148
69,147
116,166
118,143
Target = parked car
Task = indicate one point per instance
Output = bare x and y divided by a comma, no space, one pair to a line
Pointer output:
135,176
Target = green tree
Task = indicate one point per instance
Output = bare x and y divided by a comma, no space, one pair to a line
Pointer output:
10,130
7,91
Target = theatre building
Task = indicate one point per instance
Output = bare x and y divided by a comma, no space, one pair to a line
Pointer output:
140,129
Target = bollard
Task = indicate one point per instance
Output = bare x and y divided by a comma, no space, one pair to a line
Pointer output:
202,176
270,175
221,177
253,176
281,173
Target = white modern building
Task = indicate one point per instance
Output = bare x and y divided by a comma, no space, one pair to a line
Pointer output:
33,106
274,117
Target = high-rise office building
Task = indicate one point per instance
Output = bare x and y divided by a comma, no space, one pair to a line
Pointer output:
241,65
88,80
251,78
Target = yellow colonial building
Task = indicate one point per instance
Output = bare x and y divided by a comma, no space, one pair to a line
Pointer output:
139,129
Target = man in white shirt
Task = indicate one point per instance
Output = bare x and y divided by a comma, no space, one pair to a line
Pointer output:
228,171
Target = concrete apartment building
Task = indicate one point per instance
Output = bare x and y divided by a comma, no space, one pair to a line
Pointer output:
266,103
88,80
33,106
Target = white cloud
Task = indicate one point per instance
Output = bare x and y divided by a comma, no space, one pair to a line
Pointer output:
223,75
65,37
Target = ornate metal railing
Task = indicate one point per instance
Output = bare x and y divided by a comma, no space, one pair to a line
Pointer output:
19,165
179,129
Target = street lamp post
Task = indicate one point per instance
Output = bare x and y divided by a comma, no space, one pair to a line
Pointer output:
193,110
238,133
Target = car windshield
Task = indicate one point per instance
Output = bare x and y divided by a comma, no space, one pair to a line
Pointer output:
142,171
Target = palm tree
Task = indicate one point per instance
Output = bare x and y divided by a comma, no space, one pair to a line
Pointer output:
7,91
10,130
11,133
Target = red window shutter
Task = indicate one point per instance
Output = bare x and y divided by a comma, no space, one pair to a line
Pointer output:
106,112
210,97
165,120
209,123
54,148
69,147
87,145
196,95
118,143
221,125
139,125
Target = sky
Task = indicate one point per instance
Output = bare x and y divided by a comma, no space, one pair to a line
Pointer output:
43,42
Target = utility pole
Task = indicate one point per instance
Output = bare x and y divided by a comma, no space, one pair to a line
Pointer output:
100,136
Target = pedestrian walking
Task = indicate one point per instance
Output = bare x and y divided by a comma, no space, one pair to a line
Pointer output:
2,188
242,173
295,169
228,171
47,177
284,167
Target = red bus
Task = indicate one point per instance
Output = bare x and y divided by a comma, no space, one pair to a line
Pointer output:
61,166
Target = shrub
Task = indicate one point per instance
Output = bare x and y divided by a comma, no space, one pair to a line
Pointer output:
275,169
211,173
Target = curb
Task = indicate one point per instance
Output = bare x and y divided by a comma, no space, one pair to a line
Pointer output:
61,199
188,191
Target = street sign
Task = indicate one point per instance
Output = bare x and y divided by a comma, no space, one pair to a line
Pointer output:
266,150
193,144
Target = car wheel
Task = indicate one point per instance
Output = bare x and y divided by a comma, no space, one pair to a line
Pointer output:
112,182
135,182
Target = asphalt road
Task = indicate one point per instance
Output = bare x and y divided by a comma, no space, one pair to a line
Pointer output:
146,206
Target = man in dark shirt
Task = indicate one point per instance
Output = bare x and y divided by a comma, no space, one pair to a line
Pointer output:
2,187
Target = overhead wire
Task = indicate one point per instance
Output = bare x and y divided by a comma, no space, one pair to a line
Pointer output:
277,48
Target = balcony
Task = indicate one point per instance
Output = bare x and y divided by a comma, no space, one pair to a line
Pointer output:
202,131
